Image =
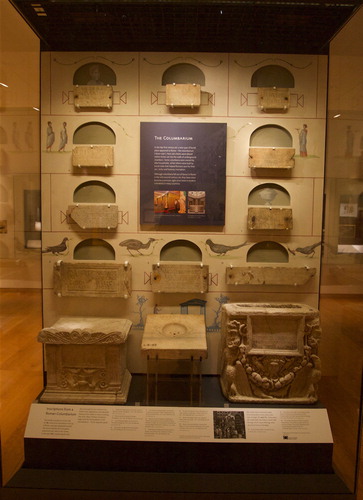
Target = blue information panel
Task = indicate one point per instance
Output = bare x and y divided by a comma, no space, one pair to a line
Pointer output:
183,173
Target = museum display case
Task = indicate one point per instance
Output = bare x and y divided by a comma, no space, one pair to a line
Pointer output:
201,325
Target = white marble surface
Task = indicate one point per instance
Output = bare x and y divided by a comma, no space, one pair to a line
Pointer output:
175,336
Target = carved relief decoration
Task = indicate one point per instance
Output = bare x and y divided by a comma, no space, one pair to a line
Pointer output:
54,336
83,379
287,373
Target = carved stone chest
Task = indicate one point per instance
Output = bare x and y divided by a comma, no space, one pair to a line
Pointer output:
269,353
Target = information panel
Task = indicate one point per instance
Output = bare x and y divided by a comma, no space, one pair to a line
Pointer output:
179,424
183,173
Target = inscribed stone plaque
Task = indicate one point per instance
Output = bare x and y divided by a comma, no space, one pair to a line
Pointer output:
94,215
92,279
183,94
273,99
93,96
92,156
179,278
278,275
269,218
271,158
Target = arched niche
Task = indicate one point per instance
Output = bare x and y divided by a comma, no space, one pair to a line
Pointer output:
94,192
94,73
269,194
183,73
271,136
94,249
94,133
181,250
273,75
267,251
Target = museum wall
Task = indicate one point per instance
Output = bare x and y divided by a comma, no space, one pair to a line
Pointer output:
342,258
259,263
20,235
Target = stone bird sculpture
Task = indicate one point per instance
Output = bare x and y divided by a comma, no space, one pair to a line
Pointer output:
222,249
136,245
308,250
57,249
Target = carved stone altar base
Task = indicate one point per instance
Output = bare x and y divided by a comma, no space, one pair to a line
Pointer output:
269,353
86,361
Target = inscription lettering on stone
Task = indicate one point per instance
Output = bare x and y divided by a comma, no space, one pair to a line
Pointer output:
93,96
276,332
269,218
271,158
260,275
273,99
92,156
183,94
92,279
94,216
179,278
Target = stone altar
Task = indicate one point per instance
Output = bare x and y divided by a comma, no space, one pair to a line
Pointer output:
85,359
269,353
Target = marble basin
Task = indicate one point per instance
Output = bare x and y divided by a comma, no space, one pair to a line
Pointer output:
174,330
175,336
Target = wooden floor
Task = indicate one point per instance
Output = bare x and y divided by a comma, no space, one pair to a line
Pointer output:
21,371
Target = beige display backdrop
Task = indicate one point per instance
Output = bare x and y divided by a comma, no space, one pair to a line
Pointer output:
139,96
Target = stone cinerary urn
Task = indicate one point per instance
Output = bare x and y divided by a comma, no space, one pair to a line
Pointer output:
269,353
85,360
